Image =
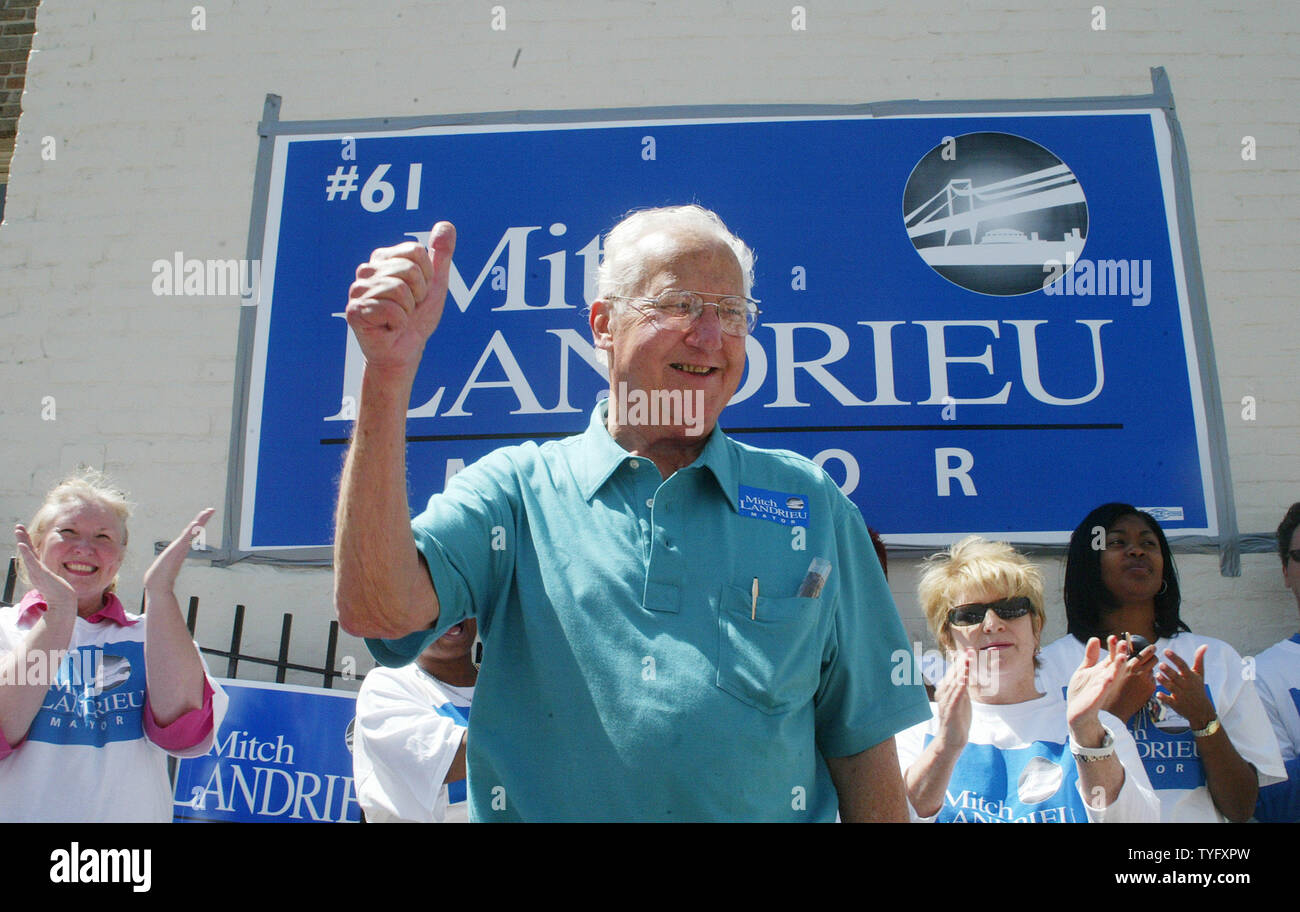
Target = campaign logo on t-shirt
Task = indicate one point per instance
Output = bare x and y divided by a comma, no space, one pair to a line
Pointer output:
1033,784
97,698
1168,749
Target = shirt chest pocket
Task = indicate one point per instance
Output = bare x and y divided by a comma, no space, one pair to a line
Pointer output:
769,654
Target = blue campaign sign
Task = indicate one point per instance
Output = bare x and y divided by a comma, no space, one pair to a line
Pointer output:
976,322
283,755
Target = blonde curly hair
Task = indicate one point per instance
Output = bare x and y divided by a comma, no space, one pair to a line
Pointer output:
975,562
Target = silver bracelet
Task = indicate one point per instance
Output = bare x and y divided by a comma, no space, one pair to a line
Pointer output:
1093,754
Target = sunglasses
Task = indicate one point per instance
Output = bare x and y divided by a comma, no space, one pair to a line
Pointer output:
1007,609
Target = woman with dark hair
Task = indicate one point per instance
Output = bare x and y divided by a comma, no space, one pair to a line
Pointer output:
1199,725
1090,600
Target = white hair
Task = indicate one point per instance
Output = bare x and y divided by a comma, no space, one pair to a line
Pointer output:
624,269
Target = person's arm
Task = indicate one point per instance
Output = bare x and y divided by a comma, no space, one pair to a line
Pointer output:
20,702
927,779
381,588
459,769
1280,802
173,669
1233,783
1092,685
869,785
860,699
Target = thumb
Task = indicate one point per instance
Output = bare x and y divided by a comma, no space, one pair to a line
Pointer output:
442,244
1198,661
1091,652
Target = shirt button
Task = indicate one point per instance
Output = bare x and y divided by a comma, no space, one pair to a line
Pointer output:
635,463
650,502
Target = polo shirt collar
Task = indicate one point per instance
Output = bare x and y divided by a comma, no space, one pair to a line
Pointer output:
721,458
602,455
33,604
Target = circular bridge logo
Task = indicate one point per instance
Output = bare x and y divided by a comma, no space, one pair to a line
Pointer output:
995,213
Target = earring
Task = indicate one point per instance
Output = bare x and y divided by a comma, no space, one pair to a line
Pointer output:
1164,587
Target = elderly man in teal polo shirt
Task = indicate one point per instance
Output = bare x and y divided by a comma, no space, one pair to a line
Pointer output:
677,626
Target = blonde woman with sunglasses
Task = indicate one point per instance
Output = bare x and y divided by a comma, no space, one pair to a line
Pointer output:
996,748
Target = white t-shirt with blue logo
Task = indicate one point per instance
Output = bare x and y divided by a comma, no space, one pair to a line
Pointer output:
1167,748
409,727
1277,678
1017,768
86,756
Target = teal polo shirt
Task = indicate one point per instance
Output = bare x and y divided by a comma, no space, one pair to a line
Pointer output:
628,672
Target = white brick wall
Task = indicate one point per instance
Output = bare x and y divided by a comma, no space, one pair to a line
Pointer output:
156,145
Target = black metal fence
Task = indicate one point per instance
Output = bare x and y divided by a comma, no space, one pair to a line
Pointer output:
233,655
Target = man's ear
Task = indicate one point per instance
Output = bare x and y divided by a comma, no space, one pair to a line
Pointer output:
602,320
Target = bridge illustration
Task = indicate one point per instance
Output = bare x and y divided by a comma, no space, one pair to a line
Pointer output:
960,207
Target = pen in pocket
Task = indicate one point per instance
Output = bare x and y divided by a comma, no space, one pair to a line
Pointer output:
818,572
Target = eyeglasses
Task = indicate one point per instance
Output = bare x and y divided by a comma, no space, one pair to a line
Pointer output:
680,310
972,614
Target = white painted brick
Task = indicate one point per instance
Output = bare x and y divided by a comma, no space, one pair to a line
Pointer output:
157,148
